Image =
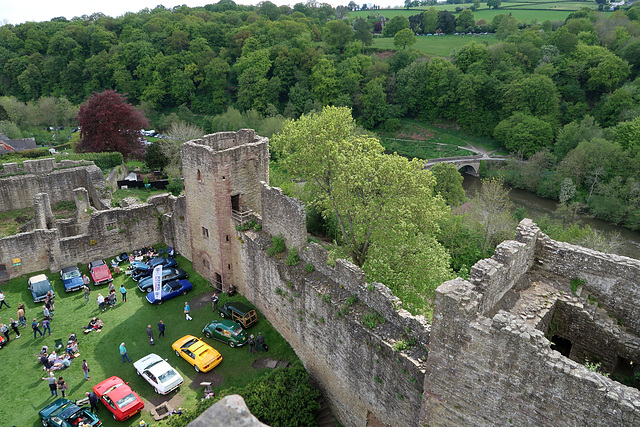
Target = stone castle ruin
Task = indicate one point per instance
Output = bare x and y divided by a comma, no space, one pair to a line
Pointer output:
515,344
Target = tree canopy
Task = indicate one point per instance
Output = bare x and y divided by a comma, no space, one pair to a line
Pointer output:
109,123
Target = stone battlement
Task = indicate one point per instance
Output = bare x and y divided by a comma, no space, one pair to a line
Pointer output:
40,166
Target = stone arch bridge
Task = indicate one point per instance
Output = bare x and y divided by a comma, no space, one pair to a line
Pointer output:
466,164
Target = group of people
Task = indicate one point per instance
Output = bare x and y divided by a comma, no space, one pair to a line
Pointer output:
56,384
111,299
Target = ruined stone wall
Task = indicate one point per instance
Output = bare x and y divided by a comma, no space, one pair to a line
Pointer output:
499,369
34,250
56,179
176,227
613,280
321,314
290,213
109,232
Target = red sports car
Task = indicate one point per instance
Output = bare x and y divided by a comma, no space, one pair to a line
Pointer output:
118,397
100,272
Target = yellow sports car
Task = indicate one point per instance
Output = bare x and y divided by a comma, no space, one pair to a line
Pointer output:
201,355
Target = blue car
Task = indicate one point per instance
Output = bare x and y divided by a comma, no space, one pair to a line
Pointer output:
144,269
65,413
39,286
168,274
71,278
170,290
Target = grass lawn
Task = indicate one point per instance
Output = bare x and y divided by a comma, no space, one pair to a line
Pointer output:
429,141
142,194
436,45
24,393
11,221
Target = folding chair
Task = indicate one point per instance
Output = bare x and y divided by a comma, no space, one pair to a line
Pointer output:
59,344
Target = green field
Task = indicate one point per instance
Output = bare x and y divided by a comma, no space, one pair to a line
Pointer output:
525,11
425,140
436,45
24,393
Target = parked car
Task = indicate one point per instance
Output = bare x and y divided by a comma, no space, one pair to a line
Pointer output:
145,269
39,286
239,313
71,278
100,272
170,290
168,274
65,413
226,331
198,353
162,377
118,397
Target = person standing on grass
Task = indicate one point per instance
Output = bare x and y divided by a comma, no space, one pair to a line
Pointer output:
252,344
34,326
93,401
85,369
46,312
14,326
86,291
62,386
49,301
214,302
260,342
100,301
2,301
53,387
46,326
160,329
187,310
123,353
123,291
150,334
22,318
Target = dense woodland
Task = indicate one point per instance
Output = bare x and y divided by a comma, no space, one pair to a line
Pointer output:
565,96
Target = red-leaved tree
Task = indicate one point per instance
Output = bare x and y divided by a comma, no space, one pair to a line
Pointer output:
109,123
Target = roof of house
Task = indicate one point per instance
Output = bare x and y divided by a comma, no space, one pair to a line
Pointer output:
16,144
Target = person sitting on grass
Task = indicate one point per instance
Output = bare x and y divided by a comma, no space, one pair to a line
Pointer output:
94,325
63,363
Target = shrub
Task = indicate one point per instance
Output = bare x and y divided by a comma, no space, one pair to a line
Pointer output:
175,186
575,283
277,245
309,267
293,258
372,319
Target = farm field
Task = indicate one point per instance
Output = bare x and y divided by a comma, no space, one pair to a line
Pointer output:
24,393
436,45
525,11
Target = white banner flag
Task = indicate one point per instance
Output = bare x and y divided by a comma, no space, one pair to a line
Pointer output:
157,282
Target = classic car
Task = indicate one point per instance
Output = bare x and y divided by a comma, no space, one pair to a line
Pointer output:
239,313
71,278
100,272
39,286
168,274
162,377
198,353
144,269
65,413
118,397
226,331
169,290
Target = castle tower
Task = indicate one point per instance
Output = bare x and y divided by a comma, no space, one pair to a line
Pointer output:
222,174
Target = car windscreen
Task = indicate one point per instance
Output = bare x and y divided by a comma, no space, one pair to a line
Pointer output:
71,274
167,376
127,400
42,287
189,343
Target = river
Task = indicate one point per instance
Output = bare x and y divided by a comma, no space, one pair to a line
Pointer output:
537,206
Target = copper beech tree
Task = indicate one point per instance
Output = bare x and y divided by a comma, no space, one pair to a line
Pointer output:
108,123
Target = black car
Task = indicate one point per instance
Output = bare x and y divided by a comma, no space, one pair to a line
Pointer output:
168,274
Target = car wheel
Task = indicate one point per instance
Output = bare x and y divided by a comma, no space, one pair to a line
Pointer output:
196,368
160,302
44,422
156,390
177,353
221,314
114,417
207,334
232,344
184,292
137,372
148,290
